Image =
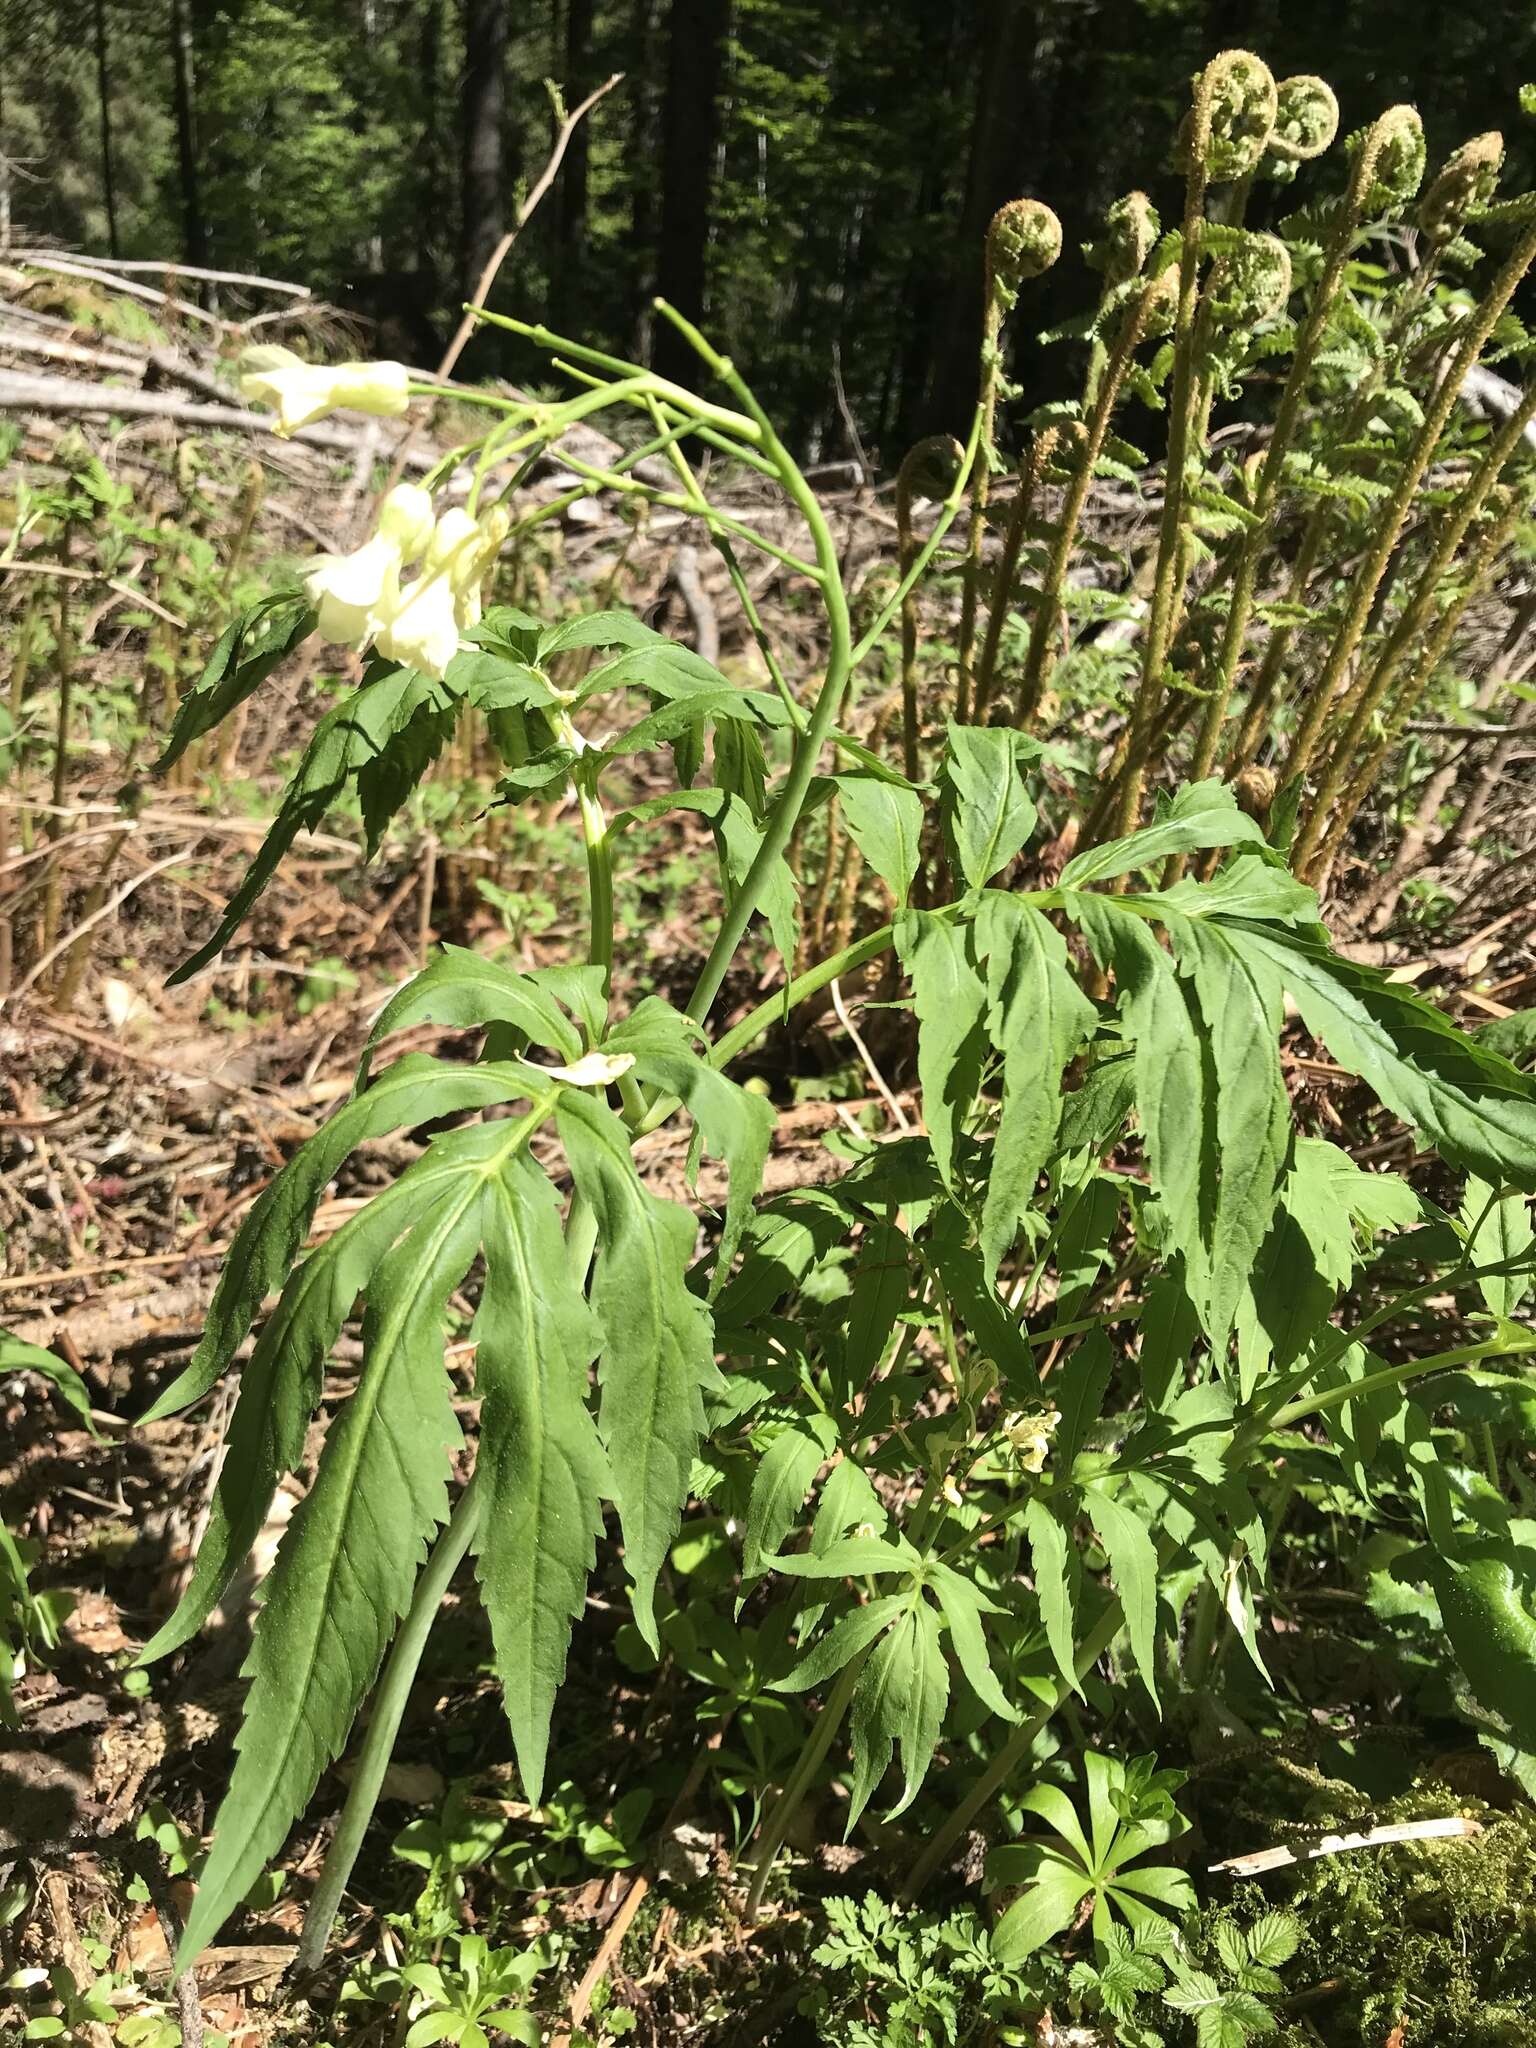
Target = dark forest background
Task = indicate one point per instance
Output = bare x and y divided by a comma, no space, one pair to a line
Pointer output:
812,177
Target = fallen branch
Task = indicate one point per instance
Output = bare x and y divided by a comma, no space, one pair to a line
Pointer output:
1257,1861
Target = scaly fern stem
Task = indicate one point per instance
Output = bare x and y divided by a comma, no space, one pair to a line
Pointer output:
1266,496
1371,571
1048,610
1013,546
1338,801
1170,553
981,490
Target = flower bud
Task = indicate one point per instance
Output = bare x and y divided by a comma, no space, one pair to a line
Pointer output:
302,391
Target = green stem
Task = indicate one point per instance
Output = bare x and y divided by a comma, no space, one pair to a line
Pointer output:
787,1805
1009,1757
1394,1376
384,1725
785,814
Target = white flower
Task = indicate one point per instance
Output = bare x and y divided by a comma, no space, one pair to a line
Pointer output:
302,391
351,591
421,626
1030,1436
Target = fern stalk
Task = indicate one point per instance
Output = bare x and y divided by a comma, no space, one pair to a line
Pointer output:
1368,578
1266,496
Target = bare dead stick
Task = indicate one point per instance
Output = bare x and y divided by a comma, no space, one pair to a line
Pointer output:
499,254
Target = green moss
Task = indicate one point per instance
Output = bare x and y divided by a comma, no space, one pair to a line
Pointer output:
1438,1936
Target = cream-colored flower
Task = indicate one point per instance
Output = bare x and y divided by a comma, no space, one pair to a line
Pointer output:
1030,1435
421,628
422,625
301,392
351,591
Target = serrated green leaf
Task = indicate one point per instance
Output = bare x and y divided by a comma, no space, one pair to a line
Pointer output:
878,1713
843,1642
281,1383
963,1607
541,1463
1170,1070
851,1556
886,821
1273,1939
779,1486
350,734
1037,1016
415,1090
347,1563
950,1001
1132,1558
987,812
1479,1110
1487,1610
420,730
1201,814
1239,999
463,989
1057,1573
735,1125
1500,1235
927,1699
657,1360
243,656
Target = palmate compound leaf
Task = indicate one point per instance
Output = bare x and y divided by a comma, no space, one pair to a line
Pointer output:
1202,814
280,1384
346,1568
734,1124
415,1090
657,1360
951,1000
1037,1017
541,1462
349,1560
464,989
243,656
352,734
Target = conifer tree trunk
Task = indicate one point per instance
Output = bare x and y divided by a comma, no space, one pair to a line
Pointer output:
104,108
690,130
194,229
644,68
570,194
482,111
